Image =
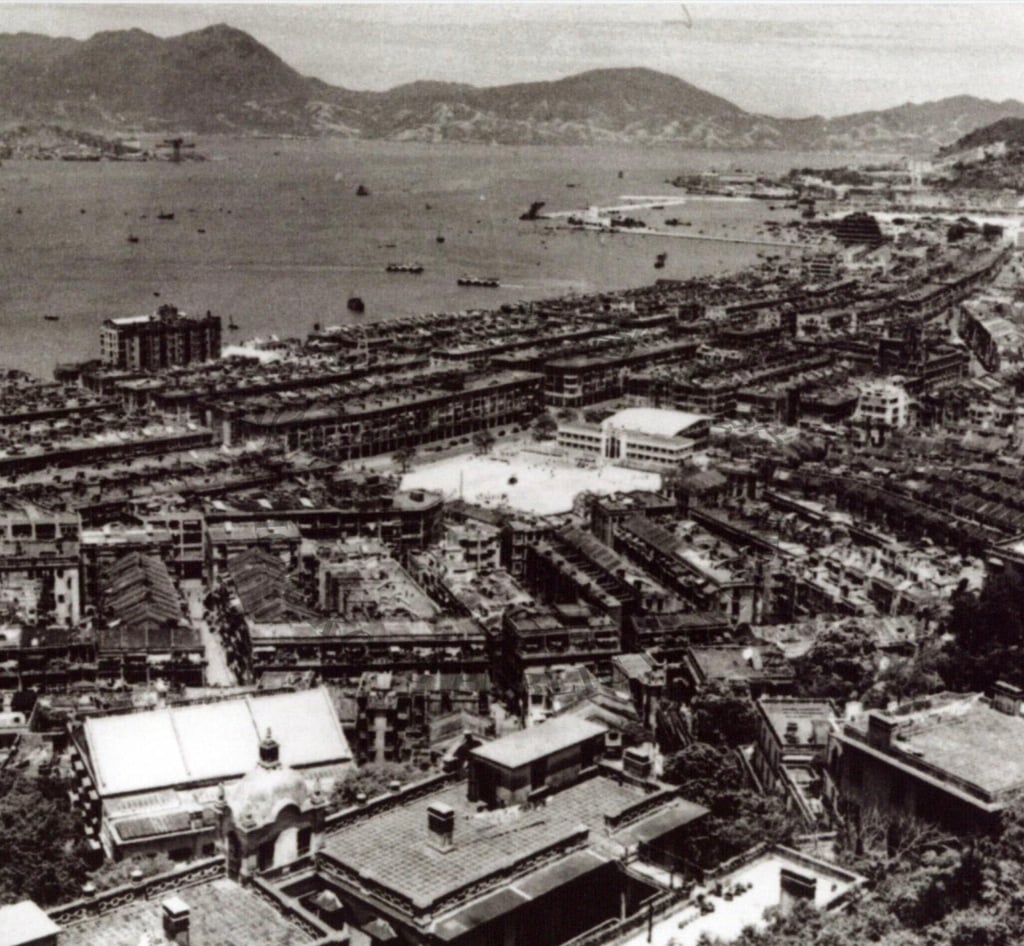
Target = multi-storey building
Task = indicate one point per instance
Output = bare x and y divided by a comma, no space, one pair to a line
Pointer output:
161,340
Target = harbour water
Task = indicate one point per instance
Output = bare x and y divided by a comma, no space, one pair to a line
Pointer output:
271,234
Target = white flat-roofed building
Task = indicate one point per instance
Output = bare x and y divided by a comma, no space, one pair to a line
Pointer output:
642,436
148,781
24,924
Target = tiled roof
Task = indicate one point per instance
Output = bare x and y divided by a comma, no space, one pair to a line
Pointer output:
222,914
137,593
392,849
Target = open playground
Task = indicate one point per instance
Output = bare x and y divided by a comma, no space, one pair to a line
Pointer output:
524,481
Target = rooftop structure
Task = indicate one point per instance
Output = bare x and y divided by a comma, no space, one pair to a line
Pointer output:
947,758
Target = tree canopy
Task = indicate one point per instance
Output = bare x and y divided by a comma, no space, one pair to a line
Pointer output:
43,856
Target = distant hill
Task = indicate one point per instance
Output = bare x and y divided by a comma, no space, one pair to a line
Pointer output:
989,158
1010,130
221,79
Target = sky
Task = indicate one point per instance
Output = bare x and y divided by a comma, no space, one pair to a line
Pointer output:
784,59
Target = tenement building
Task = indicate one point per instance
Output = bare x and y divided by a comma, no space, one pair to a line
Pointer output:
160,340
952,759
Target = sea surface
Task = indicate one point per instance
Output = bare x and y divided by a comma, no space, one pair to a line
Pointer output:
272,235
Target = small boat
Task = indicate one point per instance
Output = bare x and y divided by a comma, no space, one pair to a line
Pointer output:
440,239
482,282
355,304
165,216
659,263
52,318
415,268
362,191
132,238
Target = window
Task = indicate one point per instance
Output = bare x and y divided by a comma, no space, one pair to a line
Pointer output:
305,837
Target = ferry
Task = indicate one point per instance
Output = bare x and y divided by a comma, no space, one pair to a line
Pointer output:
415,268
484,282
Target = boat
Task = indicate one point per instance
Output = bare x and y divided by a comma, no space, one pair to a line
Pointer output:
659,263
355,304
483,282
132,238
165,216
362,191
440,239
232,326
415,268
52,318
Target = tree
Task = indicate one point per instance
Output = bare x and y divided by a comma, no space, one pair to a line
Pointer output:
404,456
739,817
722,716
43,855
483,440
544,427
374,779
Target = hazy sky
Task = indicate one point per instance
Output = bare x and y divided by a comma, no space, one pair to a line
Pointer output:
784,59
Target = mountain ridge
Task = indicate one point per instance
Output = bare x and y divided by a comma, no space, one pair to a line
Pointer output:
221,79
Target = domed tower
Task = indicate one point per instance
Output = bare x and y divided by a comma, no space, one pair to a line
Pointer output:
270,817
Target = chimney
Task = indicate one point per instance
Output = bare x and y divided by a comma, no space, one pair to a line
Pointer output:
1007,698
880,730
637,763
441,826
176,915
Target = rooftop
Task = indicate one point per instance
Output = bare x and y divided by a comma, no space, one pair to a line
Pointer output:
392,848
525,746
210,741
807,720
223,913
965,738
653,421
22,923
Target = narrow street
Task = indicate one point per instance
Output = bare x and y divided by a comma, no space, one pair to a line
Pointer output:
218,673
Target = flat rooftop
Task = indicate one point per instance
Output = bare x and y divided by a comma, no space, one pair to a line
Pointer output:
969,740
24,922
523,747
223,914
685,925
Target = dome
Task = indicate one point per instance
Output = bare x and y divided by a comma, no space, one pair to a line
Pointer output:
260,796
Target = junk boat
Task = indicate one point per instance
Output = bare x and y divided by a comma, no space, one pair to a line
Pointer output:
361,191
355,304
416,268
485,282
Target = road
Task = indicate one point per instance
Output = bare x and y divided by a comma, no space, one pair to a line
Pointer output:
218,673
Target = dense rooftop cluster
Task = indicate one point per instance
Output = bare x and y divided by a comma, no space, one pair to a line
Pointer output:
362,638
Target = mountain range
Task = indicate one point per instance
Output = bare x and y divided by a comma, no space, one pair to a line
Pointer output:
220,79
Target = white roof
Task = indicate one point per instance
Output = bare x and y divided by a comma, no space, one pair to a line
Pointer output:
24,922
177,746
132,319
654,421
539,741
